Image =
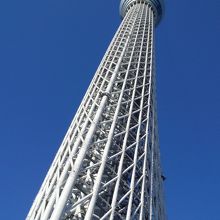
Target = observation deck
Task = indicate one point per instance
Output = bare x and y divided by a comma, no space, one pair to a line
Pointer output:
158,7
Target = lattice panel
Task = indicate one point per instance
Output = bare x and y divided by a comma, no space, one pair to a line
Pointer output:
108,166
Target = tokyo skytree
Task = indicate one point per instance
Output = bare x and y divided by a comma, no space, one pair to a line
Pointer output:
108,165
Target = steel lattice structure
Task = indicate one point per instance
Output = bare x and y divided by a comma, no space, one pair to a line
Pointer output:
108,166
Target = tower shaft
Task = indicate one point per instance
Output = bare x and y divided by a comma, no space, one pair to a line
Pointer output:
108,165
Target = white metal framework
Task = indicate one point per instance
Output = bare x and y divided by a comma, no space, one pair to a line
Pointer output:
108,166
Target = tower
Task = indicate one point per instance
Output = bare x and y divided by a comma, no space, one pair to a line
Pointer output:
108,165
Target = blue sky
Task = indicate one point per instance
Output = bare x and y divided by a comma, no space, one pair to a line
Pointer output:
49,51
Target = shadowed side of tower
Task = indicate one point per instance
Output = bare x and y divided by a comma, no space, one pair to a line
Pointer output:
108,165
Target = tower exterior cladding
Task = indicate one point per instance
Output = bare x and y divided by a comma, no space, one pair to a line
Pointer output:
108,165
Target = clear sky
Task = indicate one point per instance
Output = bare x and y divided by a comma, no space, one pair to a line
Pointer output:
49,51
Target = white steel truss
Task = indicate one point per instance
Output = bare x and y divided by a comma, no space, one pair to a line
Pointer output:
108,166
